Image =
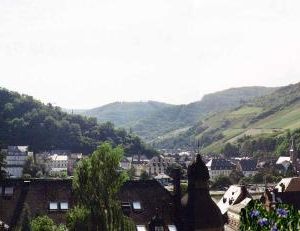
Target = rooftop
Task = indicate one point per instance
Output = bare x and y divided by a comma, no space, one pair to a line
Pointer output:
219,164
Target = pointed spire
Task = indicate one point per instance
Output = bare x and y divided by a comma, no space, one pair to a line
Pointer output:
292,148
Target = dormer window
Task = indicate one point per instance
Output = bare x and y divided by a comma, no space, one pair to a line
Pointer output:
8,191
64,205
172,228
159,228
136,205
126,208
141,228
53,206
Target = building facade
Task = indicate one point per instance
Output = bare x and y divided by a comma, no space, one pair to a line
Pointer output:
219,166
159,164
16,157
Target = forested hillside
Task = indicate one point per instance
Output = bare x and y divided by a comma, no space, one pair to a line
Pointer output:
26,121
266,120
152,120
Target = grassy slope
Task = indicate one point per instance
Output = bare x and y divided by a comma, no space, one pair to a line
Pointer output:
285,115
172,121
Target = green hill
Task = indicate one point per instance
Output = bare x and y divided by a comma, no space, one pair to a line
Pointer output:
26,121
271,115
124,114
152,120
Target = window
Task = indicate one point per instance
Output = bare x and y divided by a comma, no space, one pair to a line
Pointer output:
64,205
126,207
141,228
159,228
53,206
136,205
8,191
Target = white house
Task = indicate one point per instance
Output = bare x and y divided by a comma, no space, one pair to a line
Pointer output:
219,166
58,163
285,161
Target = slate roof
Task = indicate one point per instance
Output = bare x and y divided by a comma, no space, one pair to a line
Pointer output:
37,193
248,164
152,196
140,199
17,150
290,198
219,164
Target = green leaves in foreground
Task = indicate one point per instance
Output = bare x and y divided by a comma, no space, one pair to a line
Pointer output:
281,218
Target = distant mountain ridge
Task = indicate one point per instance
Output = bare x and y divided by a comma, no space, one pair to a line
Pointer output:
270,115
125,113
151,119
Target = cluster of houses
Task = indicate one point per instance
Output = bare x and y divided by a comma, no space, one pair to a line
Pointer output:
54,161
157,166
147,202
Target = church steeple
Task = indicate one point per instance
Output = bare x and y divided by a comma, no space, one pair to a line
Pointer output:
293,155
199,210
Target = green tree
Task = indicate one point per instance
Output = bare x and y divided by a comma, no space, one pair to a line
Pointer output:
30,168
96,182
25,218
144,176
221,182
131,173
235,176
230,150
42,223
78,219
170,169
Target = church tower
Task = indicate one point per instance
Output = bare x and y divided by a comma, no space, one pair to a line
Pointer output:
199,212
294,156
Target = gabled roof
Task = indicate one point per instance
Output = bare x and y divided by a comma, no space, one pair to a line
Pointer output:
291,198
248,164
282,159
17,149
220,164
235,194
152,196
290,184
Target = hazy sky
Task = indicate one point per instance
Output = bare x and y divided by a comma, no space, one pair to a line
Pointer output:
86,53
